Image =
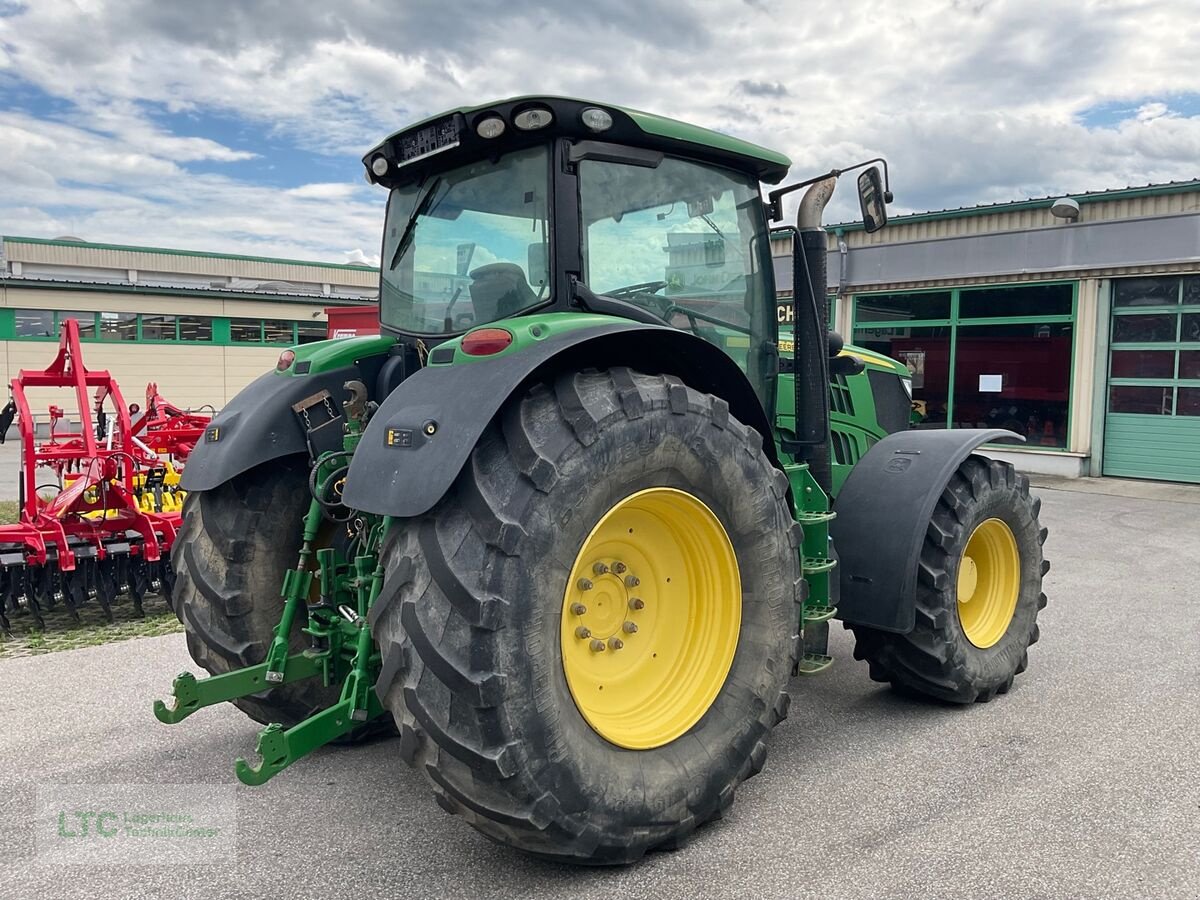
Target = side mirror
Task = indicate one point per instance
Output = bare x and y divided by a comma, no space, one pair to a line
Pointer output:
538,259
871,199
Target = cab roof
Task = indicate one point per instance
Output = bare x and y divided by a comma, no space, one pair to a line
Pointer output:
630,126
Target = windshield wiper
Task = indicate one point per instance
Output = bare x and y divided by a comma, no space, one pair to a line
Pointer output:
421,207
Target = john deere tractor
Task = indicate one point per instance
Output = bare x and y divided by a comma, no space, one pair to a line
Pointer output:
576,518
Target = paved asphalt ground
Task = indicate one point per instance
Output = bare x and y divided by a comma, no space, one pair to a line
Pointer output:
1083,782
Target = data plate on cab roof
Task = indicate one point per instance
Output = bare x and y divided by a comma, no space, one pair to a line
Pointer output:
429,140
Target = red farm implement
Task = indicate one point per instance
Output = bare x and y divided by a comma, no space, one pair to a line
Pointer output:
99,507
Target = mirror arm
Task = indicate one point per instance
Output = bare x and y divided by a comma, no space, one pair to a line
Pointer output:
775,198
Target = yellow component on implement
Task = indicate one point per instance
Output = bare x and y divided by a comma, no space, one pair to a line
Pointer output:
170,500
989,582
650,618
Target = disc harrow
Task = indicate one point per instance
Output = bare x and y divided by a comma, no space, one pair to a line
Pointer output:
102,529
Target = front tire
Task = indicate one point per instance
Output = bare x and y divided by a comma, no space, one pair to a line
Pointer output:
478,613
979,591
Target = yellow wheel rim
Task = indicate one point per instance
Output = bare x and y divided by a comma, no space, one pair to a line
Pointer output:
650,618
989,581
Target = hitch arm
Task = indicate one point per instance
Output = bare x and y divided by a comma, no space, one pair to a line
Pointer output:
192,694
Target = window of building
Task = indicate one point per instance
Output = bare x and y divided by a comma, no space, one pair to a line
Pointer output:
912,307
307,332
1016,377
991,357
245,331
1016,302
1154,358
34,323
118,326
86,320
278,331
159,328
195,328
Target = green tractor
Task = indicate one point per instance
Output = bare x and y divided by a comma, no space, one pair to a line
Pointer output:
573,522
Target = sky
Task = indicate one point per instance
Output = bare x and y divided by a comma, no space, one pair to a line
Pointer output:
238,126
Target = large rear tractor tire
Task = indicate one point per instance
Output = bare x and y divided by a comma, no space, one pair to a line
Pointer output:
979,591
588,641
234,544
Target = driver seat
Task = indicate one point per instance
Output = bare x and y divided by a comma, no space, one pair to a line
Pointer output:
499,290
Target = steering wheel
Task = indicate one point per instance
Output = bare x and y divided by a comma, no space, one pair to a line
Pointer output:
645,287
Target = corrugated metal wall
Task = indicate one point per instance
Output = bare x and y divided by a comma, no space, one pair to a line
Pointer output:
72,255
1022,219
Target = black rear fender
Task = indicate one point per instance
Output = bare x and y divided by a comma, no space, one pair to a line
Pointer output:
423,433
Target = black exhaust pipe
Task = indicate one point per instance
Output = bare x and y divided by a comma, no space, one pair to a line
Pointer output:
810,335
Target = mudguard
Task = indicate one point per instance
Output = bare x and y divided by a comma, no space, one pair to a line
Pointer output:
883,511
417,442
258,425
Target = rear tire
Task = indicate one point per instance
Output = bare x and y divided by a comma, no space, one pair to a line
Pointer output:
470,620
233,546
937,658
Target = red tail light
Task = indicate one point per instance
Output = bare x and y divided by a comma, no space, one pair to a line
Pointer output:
286,358
486,341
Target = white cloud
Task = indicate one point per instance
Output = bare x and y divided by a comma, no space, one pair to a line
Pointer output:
325,191
970,101
1149,111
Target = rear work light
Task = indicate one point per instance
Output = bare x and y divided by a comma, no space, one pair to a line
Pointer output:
486,341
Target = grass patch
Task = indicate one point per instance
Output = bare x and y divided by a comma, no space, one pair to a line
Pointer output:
8,512
63,633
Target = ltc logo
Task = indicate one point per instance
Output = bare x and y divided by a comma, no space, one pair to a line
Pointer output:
88,824
212,435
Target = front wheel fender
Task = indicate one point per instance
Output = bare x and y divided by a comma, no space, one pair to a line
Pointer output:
883,512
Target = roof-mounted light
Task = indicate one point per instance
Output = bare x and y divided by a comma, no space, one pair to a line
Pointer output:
379,165
533,119
491,127
596,119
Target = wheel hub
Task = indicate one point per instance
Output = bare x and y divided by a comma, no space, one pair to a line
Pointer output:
989,582
650,618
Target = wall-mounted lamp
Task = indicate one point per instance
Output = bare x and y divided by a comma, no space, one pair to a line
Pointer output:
1065,208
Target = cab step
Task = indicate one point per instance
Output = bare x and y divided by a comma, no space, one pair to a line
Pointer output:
816,565
813,614
812,663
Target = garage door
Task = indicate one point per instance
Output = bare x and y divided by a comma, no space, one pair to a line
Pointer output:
1152,428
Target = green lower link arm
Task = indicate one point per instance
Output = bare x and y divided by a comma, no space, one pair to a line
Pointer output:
192,693
278,748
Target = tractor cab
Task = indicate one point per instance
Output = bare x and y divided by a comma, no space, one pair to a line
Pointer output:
547,204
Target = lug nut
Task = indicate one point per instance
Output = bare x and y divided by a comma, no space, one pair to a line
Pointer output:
578,609
637,603
632,581
585,584
597,646
630,627
583,632
615,643
619,567
600,568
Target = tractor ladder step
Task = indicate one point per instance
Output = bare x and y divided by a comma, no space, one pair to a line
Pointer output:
812,663
814,614
815,565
